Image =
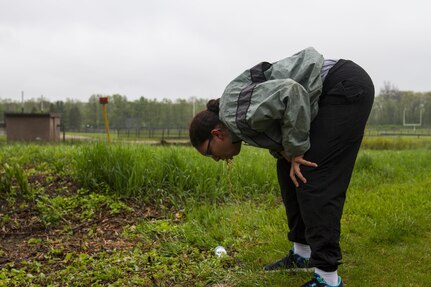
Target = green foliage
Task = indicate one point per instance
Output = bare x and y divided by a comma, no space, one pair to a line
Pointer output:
388,109
396,143
385,226
170,176
56,158
13,181
141,113
54,210
392,107
34,241
136,267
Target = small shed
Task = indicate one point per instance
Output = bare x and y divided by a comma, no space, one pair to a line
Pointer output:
32,127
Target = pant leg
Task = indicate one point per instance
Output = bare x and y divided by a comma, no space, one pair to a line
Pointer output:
336,134
288,192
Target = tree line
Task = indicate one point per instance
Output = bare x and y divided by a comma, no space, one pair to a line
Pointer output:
392,107
122,113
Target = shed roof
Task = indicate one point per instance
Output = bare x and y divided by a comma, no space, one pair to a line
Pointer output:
32,115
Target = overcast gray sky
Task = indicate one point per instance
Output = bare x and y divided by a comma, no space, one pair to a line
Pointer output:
192,48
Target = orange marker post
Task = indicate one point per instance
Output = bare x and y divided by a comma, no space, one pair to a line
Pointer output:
104,101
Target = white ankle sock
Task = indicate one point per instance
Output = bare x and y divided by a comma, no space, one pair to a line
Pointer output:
302,250
330,277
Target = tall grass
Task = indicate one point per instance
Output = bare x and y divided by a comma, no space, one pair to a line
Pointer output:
161,175
57,158
180,175
397,142
173,174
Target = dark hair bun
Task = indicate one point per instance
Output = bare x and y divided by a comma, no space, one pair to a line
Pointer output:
213,106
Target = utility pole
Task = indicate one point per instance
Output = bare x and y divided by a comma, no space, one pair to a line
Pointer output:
22,101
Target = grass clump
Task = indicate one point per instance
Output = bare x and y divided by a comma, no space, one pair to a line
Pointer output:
168,176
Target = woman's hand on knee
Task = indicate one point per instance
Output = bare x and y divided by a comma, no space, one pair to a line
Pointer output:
295,171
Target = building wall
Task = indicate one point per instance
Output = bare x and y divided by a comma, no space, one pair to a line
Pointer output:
28,128
54,128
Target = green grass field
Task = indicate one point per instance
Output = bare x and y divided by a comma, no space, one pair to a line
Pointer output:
135,215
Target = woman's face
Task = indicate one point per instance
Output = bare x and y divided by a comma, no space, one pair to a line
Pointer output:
220,146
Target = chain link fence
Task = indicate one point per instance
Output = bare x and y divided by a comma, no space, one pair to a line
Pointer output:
153,134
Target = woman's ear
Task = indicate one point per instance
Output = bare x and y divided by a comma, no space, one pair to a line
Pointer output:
217,132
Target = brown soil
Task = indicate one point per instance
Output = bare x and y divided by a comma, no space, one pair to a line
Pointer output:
25,237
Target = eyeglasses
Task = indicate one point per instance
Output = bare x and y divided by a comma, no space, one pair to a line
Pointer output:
208,152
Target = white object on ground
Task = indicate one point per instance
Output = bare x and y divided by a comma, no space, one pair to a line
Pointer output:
219,251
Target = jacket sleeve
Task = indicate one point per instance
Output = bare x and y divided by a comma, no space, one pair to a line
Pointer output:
287,104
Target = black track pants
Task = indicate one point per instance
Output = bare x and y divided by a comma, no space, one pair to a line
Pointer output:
314,209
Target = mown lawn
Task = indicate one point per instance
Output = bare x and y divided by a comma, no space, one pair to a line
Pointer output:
135,215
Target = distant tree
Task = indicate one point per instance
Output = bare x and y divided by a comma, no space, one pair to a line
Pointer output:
57,107
74,118
390,92
93,116
426,117
2,112
386,109
119,112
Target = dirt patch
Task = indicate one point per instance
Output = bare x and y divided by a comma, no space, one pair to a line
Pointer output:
24,236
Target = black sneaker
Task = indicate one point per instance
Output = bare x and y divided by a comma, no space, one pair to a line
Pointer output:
291,262
319,282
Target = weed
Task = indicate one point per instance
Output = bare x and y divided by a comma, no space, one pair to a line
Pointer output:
84,206
34,241
14,181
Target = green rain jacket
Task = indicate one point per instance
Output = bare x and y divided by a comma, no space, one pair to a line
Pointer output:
272,105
